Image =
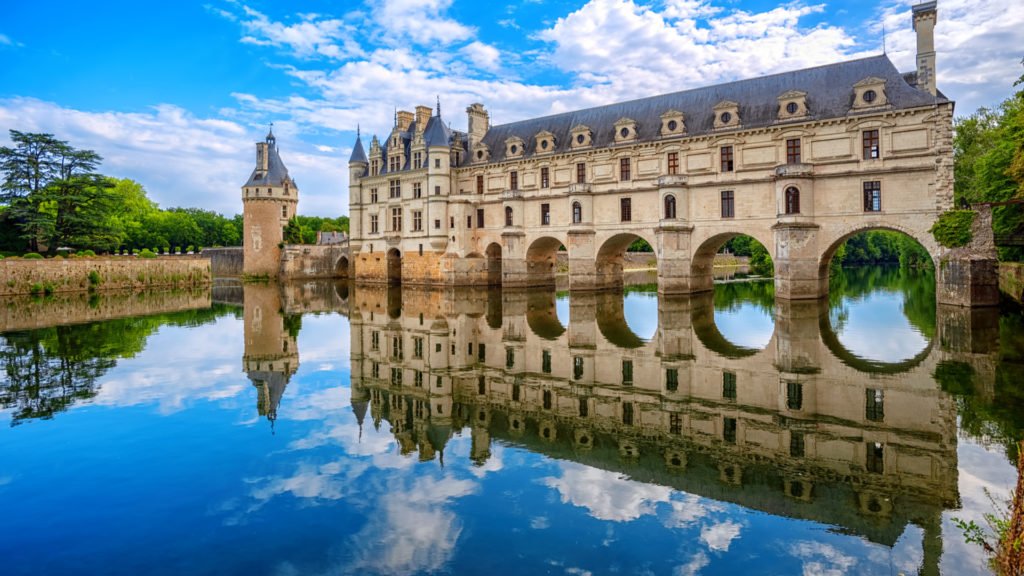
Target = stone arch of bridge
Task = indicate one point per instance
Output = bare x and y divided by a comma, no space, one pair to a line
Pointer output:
836,239
394,266
702,260
610,259
542,260
493,254
341,267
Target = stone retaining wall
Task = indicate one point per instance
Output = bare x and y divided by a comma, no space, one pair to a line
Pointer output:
58,275
225,262
28,312
1011,280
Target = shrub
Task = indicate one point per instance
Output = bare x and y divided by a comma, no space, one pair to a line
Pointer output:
49,288
86,253
33,256
36,289
94,277
953,228
146,253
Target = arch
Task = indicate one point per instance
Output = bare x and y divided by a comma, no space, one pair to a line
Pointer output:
341,268
670,207
493,253
825,260
577,213
611,258
702,264
394,270
792,199
541,261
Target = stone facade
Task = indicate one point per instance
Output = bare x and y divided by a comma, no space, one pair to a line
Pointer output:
800,161
57,275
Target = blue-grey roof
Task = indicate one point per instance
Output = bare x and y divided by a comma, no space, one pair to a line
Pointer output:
829,92
358,153
437,134
276,173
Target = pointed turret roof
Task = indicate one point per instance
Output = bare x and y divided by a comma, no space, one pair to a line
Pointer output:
276,173
436,133
358,153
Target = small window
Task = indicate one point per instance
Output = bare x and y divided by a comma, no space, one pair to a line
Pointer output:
510,357
627,372
792,200
479,217
792,108
726,117
469,221
545,362
544,144
671,379
875,405
796,444
480,184
728,204
673,162
729,430
672,125
624,169
284,211
513,180
870,96
577,213
544,176
794,395
547,399
508,215
627,413
675,424
437,224
584,408
515,392
577,367
437,190
625,210
873,196
670,207
624,132
581,172
437,162
875,457
545,214
727,163
793,151
729,385
871,144
514,149
580,138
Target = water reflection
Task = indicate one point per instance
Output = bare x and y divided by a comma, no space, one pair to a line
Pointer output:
626,408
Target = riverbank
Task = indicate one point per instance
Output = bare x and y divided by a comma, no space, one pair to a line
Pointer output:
57,275
1011,280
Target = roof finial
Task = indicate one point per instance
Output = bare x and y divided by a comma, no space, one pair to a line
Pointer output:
357,132
883,36
438,105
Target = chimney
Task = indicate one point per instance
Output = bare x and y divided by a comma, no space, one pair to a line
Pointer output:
404,119
422,117
479,122
262,156
925,15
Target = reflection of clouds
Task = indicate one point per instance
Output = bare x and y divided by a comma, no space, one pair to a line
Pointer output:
688,511
694,566
876,329
822,559
607,495
746,325
718,537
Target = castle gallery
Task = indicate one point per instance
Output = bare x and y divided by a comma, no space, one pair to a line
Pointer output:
800,161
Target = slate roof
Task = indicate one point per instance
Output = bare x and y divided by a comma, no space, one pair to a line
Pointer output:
276,174
437,133
358,153
829,91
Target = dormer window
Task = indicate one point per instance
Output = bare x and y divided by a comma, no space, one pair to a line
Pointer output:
545,142
672,123
514,147
625,130
482,154
727,115
581,136
792,105
869,93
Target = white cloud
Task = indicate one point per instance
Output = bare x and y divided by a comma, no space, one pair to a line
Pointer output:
421,21
719,537
694,566
822,559
607,495
331,38
483,55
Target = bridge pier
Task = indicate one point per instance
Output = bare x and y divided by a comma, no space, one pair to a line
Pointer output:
797,272
674,258
969,276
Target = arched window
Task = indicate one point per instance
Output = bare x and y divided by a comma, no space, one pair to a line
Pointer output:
508,215
670,207
792,200
577,213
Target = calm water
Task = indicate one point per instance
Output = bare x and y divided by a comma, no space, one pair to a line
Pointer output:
327,429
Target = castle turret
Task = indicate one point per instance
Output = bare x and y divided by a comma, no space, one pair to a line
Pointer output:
925,16
271,354
269,199
358,167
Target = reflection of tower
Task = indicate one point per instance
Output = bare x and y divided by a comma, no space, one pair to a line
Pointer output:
271,356
269,199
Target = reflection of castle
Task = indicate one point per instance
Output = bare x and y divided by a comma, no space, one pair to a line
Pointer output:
271,355
792,429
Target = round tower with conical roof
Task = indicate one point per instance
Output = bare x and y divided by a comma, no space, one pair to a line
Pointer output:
269,199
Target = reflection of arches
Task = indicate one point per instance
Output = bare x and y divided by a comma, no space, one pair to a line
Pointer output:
610,258
394,266
541,259
830,252
704,327
836,347
541,315
341,269
702,266
493,253
792,200
611,321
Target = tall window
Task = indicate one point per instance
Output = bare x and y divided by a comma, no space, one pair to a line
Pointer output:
417,220
627,413
727,165
670,207
545,214
793,151
395,188
577,367
513,180
396,219
871,144
729,385
627,371
625,210
577,213
544,177
417,347
545,361
794,395
624,166
873,196
373,195
729,430
508,215
671,379
875,457
469,221
284,211
417,190
584,407
417,160
479,217
374,167
796,444
792,200
581,172
510,357
875,405
480,184
373,224
673,162
728,204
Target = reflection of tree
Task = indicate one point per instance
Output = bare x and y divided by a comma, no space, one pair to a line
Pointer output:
916,285
47,370
730,296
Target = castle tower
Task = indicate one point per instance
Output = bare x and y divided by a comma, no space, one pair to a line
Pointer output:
269,199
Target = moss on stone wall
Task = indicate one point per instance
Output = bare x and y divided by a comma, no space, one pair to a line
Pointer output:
20,276
953,228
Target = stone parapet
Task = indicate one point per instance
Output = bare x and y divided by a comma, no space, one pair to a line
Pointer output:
102,273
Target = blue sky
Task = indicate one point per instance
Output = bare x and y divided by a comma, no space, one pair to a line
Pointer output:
174,94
